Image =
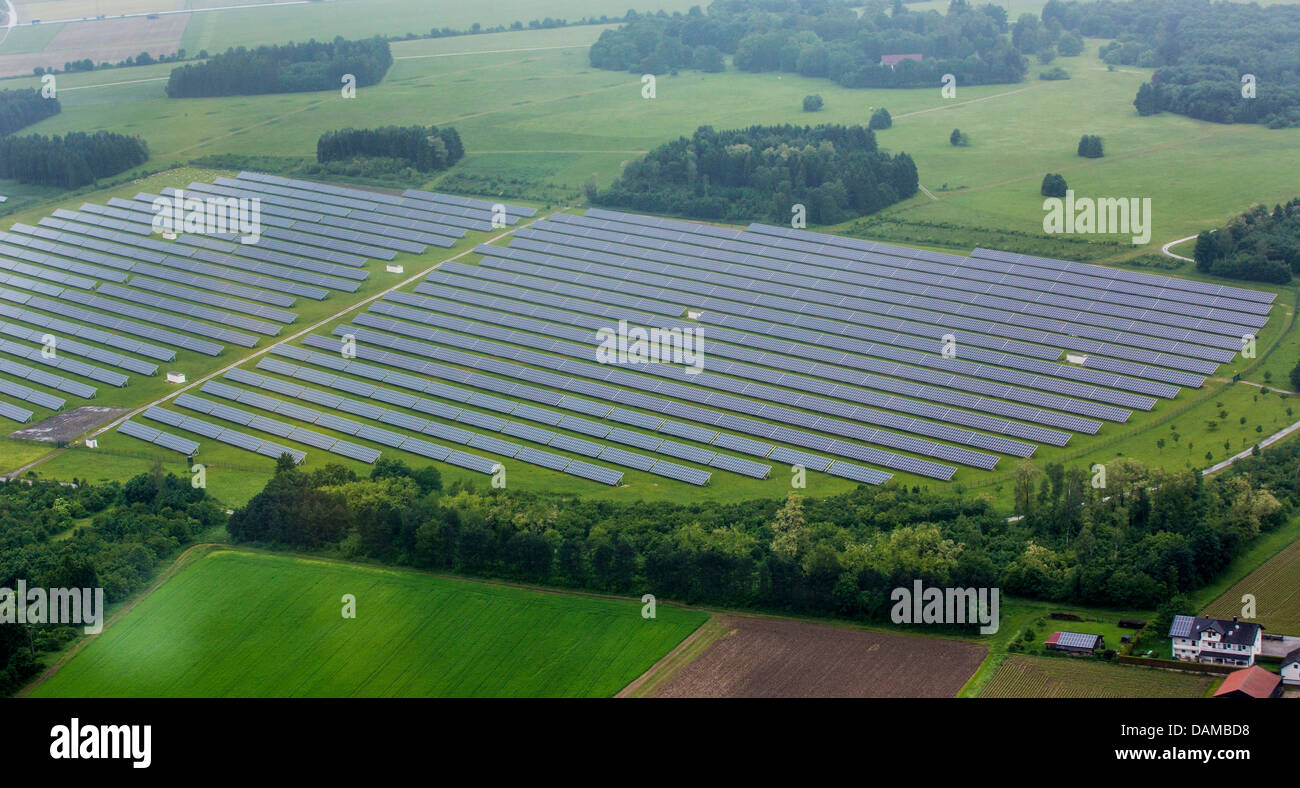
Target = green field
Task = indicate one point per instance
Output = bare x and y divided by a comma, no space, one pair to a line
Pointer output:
1064,677
238,624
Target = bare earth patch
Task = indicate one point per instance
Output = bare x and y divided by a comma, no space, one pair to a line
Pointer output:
67,426
771,658
103,41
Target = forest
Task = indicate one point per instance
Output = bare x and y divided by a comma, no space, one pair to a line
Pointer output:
1260,245
427,149
824,38
75,159
1201,51
1143,538
761,172
286,68
20,108
89,535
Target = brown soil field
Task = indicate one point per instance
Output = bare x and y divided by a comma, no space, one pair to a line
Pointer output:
772,658
107,40
65,426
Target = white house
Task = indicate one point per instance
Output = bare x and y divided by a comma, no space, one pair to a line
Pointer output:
1215,641
1291,668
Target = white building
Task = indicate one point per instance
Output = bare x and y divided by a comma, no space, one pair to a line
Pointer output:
1215,641
175,377
1291,668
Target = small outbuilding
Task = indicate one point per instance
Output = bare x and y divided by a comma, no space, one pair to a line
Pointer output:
1291,668
1075,642
1252,682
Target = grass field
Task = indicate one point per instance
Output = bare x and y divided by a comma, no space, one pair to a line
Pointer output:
238,624
1062,677
1276,588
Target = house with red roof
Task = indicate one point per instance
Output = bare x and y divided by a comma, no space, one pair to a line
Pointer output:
893,60
1252,682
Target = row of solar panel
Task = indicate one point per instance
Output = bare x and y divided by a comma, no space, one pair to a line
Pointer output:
396,418
801,358
64,345
930,347
974,269
522,410
1091,363
152,316
144,250
1200,288
228,436
800,246
190,310
233,304
18,252
415,213
344,191
38,398
513,408
164,439
289,219
501,314
11,411
485,421
690,387
94,335
140,209
923,289
1090,409
671,427
50,275
797,390
50,358
802,283
1092,275
762,305
404,205
131,222
671,408
307,210
71,312
44,378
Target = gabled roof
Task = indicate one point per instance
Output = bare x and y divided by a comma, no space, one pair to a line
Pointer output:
1074,640
893,60
1292,658
1255,682
1240,633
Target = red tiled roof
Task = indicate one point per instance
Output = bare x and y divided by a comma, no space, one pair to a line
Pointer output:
893,60
1255,682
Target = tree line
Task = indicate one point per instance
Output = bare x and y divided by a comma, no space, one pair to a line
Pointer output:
283,68
1145,537
836,172
827,39
20,108
75,159
131,528
426,148
1260,245
1201,50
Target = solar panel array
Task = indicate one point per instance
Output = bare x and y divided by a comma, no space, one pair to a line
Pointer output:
82,281
820,348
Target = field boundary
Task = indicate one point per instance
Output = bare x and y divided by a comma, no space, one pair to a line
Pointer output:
711,631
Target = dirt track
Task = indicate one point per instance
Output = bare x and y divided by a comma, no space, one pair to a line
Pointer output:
772,658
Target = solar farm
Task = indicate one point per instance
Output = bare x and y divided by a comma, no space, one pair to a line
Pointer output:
858,360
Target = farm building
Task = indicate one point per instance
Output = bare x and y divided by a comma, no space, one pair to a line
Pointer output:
1075,642
1291,667
1216,641
894,60
1253,682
